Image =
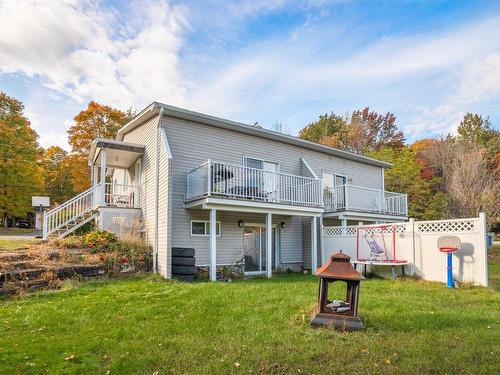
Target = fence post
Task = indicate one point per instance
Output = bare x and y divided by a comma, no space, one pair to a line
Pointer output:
44,225
484,246
412,226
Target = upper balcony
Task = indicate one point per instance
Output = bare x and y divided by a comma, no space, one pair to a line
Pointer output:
364,199
245,184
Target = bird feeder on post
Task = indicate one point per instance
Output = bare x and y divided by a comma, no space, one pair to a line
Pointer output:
339,314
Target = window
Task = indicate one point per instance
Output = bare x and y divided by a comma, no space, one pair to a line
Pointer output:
202,228
261,164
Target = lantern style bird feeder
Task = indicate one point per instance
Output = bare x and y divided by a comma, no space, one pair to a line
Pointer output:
341,315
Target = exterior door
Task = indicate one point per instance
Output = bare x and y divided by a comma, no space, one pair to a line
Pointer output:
266,184
333,190
254,248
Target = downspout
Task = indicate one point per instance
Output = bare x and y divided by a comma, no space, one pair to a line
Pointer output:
157,191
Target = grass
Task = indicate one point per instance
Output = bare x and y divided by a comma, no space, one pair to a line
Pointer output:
145,324
14,231
13,245
494,267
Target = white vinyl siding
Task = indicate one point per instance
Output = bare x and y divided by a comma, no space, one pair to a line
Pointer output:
192,144
147,134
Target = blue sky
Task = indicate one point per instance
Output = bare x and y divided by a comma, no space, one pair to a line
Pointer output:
428,62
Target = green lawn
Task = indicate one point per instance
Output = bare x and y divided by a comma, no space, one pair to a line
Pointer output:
145,324
13,245
15,231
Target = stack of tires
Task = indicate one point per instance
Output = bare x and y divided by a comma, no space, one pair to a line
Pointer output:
183,261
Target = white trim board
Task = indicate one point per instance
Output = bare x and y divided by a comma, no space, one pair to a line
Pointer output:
360,216
252,206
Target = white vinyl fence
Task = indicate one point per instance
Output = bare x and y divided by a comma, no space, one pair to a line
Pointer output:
416,242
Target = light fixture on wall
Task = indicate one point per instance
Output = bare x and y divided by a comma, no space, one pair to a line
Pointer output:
282,224
241,223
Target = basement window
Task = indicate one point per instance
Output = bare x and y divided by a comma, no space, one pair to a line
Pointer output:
202,228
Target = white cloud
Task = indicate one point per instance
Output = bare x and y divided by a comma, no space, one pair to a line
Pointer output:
456,67
85,50
82,49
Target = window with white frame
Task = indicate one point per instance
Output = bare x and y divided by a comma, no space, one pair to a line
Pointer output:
202,228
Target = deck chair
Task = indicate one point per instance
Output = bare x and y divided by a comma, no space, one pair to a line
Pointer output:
376,251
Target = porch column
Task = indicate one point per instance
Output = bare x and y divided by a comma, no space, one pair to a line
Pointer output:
137,182
213,244
321,242
95,176
314,245
269,245
102,198
343,223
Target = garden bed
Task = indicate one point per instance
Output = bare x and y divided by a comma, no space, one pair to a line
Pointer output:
34,266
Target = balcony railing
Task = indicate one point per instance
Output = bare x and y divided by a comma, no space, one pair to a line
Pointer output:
244,183
120,195
360,198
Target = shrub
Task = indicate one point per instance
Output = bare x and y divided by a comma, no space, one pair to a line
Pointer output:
134,253
71,242
100,241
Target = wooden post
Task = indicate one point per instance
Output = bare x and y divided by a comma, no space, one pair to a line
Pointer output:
213,244
269,245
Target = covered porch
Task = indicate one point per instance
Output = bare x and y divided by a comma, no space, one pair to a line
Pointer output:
264,238
107,158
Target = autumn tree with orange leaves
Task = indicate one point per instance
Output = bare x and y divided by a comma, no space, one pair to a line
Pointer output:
97,121
361,131
20,171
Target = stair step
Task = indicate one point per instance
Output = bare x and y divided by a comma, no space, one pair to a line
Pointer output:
14,257
26,285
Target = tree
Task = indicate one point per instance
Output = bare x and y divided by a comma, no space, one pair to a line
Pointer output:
281,128
475,132
473,186
97,121
20,173
361,131
329,129
57,170
370,131
405,177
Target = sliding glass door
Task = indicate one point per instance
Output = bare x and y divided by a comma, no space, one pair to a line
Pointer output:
254,248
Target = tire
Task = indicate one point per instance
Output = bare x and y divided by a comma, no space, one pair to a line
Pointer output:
178,261
183,252
185,277
184,270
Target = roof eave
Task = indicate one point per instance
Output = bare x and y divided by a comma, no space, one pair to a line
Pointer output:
184,114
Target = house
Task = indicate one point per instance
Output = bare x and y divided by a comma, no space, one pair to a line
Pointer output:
233,192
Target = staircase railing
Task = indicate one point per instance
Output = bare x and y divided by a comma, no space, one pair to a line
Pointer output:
70,210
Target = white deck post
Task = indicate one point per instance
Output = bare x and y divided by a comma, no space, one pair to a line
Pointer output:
314,245
102,198
343,223
137,181
213,244
95,176
269,245
321,242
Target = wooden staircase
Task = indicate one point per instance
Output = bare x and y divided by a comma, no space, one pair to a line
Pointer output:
71,215
73,225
